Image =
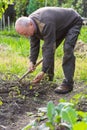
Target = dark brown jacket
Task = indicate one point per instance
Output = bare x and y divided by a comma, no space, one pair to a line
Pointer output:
51,22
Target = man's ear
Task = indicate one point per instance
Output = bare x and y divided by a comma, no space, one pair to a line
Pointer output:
30,23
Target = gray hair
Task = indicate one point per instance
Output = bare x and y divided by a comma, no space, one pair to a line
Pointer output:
22,21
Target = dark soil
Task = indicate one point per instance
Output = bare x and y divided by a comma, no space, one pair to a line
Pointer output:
20,98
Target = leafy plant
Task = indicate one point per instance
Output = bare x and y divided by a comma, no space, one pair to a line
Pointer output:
29,126
65,114
50,114
4,5
1,103
20,7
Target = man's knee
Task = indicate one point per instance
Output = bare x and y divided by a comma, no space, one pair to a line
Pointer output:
68,49
68,54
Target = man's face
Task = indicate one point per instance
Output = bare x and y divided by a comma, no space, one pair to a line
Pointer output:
26,30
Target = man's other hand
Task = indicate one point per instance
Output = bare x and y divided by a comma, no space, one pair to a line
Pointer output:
31,67
38,78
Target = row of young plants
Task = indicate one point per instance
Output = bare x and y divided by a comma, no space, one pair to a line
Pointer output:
64,116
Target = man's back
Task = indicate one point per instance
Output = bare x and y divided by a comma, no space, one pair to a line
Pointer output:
60,17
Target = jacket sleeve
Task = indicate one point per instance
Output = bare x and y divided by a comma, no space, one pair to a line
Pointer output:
49,46
34,49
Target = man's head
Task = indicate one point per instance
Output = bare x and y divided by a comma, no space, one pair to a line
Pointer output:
24,26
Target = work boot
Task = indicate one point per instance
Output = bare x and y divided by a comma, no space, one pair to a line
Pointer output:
65,87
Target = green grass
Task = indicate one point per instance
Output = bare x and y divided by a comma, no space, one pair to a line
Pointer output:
19,45
14,53
11,32
83,34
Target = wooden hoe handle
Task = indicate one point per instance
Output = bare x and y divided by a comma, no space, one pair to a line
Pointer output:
29,70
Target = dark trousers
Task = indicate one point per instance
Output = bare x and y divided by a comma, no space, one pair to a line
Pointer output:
69,58
68,63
